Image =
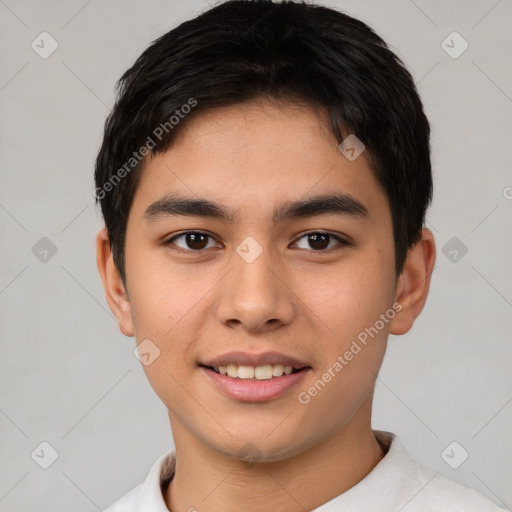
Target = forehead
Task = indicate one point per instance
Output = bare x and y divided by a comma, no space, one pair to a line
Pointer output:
254,155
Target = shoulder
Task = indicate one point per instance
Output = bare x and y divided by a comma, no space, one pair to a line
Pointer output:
148,495
412,487
126,503
442,492
436,492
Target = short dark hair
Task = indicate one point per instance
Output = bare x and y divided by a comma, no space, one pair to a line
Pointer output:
290,51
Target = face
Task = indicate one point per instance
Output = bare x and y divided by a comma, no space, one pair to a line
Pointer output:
287,261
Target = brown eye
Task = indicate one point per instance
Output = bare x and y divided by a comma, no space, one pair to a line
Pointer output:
191,241
196,240
319,241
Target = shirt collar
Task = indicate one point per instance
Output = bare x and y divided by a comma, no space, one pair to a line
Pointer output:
162,471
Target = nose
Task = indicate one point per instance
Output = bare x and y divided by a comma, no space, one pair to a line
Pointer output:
255,295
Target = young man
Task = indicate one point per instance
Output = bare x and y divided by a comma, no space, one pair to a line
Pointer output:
264,178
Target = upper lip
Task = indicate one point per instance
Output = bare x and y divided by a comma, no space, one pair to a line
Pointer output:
248,359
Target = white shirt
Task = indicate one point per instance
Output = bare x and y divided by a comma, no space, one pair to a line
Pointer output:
395,484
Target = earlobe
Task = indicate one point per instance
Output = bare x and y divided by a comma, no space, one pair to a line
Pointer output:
414,282
115,292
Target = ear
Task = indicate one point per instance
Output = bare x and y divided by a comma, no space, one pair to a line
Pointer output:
115,292
414,282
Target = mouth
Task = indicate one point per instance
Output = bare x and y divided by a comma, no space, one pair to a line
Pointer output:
249,377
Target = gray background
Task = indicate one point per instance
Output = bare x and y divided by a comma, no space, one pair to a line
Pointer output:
69,377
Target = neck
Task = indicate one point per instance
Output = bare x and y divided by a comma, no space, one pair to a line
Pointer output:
208,480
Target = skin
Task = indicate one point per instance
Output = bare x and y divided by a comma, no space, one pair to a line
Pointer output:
294,298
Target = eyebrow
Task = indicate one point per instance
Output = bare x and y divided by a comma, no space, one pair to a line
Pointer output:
339,204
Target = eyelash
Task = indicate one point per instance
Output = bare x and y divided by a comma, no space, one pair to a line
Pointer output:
341,241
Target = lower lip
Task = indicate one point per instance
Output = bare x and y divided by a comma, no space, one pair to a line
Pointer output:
254,390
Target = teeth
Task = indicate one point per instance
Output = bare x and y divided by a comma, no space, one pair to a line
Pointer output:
277,370
232,370
265,372
246,372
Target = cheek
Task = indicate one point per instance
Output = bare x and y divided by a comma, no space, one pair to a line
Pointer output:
349,298
351,336
168,307
163,295
348,303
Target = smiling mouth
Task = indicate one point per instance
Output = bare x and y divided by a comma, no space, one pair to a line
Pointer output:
255,373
